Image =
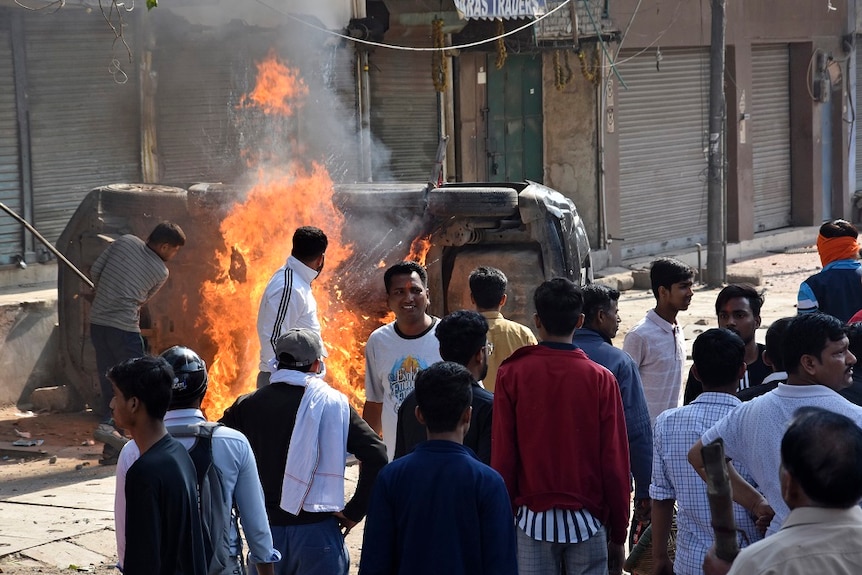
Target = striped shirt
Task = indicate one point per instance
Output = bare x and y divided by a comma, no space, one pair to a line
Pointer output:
127,274
558,525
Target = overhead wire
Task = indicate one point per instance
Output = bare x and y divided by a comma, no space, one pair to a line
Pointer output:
612,64
655,40
413,48
628,27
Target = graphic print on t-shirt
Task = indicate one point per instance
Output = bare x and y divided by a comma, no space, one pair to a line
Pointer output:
401,378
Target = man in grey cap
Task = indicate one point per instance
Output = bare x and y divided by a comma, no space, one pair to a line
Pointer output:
300,430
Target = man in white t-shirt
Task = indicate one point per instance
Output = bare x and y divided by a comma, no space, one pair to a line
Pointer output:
397,351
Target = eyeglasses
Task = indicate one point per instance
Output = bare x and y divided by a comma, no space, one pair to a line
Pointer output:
489,349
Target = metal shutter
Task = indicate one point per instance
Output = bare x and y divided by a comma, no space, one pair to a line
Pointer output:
403,114
770,136
857,111
196,106
10,174
84,126
336,97
662,124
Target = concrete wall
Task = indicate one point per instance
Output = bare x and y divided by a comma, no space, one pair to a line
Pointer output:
28,348
570,144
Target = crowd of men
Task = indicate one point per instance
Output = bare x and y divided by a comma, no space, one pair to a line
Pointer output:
483,448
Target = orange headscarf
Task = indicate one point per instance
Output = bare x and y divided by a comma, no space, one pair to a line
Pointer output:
832,249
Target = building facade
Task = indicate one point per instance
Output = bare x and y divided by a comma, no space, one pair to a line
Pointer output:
605,101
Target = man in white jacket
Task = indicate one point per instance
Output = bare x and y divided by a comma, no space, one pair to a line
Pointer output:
288,301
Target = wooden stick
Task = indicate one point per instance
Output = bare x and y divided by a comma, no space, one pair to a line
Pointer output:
720,500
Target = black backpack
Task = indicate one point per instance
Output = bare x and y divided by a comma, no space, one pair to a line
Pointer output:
216,520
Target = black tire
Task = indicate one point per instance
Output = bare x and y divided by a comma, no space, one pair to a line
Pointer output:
139,198
206,200
380,197
473,202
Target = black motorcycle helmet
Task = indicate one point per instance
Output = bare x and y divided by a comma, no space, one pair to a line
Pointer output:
191,374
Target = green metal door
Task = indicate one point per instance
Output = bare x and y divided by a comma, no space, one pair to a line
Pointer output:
514,144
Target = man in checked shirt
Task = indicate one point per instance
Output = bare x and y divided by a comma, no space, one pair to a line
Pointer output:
718,363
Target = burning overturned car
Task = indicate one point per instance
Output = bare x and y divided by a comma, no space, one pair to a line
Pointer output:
237,236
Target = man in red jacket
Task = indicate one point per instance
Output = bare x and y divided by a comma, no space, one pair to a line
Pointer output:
559,441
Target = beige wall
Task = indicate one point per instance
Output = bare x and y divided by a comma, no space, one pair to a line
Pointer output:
570,142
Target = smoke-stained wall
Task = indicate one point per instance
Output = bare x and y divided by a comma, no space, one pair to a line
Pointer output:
570,143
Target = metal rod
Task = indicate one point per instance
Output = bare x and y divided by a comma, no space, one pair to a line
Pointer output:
47,244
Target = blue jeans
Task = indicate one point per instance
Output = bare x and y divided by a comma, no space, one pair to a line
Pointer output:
314,549
112,346
589,557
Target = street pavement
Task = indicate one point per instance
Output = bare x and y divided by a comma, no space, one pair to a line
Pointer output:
71,525
70,528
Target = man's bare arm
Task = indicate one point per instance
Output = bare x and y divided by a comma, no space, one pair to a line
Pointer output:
662,516
372,413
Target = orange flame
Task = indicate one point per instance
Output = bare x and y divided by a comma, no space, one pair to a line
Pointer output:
279,89
419,248
258,233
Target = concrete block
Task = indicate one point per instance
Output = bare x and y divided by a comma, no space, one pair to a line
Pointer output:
625,282
741,274
641,279
59,398
620,282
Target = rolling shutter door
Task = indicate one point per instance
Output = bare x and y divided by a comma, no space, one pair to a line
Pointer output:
770,136
10,174
662,124
336,95
196,101
84,125
858,112
403,114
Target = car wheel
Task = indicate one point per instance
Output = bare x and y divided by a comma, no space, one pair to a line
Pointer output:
482,202
377,197
139,198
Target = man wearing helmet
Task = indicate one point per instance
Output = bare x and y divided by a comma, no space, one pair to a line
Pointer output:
232,457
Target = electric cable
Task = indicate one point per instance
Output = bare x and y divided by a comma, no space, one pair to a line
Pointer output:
412,48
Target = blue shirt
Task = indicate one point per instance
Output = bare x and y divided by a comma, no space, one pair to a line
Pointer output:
439,510
676,430
638,424
836,290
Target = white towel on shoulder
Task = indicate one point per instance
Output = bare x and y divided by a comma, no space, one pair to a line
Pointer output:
314,473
